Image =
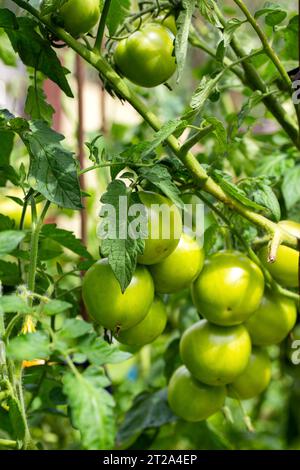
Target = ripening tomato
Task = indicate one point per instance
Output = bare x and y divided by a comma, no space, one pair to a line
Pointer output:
180,268
79,16
285,268
273,320
107,305
192,400
213,354
255,378
146,57
149,328
229,288
164,227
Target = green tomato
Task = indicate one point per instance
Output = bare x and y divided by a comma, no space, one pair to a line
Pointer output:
192,400
164,227
80,16
255,378
180,268
285,268
146,56
229,288
148,329
167,19
273,320
107,305
213,354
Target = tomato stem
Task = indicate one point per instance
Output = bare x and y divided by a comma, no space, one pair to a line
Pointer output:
101,28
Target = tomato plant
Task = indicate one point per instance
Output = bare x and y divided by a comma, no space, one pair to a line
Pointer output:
149,225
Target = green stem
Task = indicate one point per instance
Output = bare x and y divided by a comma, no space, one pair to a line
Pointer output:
101,28
264,40
27,442
38,387
11,325
9,444
34,242
198,173
71,365
106,165
194,139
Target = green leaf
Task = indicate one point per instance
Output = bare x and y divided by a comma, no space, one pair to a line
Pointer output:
16,418
9,273
7,142
51,6
291,187
7,19
35,51
53,170
265,196
165,131
274,13
291,35
6,223
74,328
230,28
66,239
276,17
149,410
9,240
118,12
118,244
161,178
235,192
208,10
99,352
13,303
91,408
181,40
29,347
210,237
36,105
203,92
54,307
7,54
275,165
220,134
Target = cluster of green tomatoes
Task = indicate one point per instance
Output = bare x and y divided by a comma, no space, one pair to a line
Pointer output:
223,353
145,56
